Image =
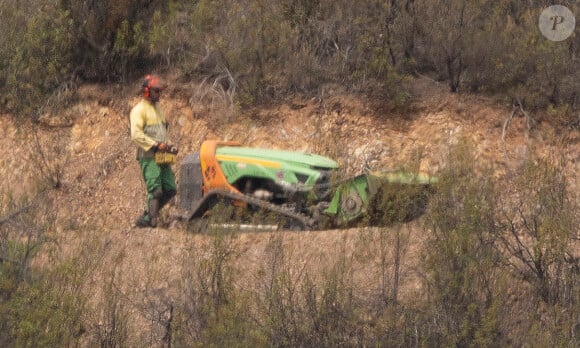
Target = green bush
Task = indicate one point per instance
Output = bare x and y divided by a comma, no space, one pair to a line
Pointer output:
460,259
38,66
271,48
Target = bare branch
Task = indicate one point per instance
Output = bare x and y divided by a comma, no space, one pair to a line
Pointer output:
503,131
11,216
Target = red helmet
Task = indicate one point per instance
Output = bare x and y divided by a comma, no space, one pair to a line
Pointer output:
151,81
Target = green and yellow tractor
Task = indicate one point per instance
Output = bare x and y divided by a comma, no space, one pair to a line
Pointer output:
302,190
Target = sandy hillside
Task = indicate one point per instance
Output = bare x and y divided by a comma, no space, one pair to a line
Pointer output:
101,190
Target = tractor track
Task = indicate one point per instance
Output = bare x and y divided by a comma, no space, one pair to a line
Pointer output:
213,196
306,222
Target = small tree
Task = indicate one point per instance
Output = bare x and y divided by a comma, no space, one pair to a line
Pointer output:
38,69
460,261
541,227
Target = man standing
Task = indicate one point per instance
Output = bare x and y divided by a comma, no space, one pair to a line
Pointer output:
155,156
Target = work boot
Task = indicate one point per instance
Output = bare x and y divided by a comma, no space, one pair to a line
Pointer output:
153,212
143,221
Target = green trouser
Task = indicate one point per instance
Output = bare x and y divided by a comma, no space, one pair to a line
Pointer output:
159,179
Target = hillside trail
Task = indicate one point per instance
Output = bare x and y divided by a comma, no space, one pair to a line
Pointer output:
102,192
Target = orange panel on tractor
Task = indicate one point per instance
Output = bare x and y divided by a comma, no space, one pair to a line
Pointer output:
213,176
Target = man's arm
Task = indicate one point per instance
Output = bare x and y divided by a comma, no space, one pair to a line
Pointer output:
137,134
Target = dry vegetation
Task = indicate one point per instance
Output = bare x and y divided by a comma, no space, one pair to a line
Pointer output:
495,261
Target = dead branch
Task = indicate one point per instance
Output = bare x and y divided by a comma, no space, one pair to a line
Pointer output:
516,106
503,131
529,120
219,90
10,217
49,172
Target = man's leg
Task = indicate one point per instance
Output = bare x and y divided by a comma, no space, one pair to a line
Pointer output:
167,184
152,176
155,207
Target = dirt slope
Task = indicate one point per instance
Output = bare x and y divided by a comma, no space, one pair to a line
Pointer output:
101,190
95,157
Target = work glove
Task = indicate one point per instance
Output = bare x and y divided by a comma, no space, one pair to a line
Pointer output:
167,148
162,147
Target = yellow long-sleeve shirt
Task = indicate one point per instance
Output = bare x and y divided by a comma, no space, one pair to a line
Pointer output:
148,127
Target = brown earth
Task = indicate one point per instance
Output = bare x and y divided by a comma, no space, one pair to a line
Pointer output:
101,191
